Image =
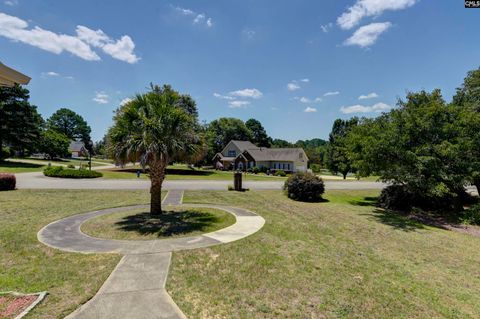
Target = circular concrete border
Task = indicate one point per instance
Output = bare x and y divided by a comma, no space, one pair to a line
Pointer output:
65,234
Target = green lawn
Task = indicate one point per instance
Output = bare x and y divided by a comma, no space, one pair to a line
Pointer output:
140,225
28,266
181,172
13,167
339,259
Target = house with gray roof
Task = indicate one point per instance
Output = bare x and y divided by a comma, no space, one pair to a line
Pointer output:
244,155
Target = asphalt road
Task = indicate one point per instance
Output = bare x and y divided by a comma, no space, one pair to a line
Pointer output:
37,180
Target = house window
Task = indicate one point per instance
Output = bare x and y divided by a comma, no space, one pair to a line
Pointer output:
300,156
232,153
288,167
274,165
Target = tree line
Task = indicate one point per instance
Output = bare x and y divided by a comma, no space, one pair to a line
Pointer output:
427,149
23,130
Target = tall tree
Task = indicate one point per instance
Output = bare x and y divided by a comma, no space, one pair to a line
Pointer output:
153,128
279,143
70,124
53,144
221,131
467,102
20,123
259,135
338,160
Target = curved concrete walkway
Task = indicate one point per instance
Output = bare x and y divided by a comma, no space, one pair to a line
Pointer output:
136,288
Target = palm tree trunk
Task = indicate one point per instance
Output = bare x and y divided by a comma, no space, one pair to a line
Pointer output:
157,175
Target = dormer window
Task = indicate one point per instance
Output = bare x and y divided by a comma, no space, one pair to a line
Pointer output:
232,153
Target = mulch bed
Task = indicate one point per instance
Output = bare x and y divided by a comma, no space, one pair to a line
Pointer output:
440,222
11,306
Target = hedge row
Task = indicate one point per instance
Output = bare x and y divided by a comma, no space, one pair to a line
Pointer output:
7,182
59,171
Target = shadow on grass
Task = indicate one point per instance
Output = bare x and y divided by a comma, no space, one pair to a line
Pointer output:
395,220
168,224
366,201
19,165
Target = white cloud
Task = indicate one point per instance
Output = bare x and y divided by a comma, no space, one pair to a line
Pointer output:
332,93
310,110
368,34
101,97
224,97
69,77
51,73
367,8
238,104
317,100
11,3
17,30
121,49
372,95
249,33
125,101
304,100
292,86
250,93
305,80
326,27
198,18
80,45
358,108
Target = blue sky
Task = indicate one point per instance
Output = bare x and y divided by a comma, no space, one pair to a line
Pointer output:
294,65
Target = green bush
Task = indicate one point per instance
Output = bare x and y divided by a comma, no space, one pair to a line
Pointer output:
59,171
280,172
6,152
255,170
305,187
402,198
472,215
71,166
316,168
7,182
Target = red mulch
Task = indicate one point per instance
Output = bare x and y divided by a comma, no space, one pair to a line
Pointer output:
11,306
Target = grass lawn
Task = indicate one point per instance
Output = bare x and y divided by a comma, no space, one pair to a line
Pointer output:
140,225
179,172
14,167
339,259
28,266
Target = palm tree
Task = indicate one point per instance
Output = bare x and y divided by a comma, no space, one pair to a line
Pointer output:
153,128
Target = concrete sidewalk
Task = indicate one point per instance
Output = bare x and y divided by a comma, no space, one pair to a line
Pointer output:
136,288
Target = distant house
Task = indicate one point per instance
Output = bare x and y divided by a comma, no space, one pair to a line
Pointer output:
77,149
243,155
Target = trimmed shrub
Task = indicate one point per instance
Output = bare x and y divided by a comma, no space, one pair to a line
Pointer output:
280,172
255,170
6,152
401,198
59,171
71,166
305,187
7,182
316,168
472,215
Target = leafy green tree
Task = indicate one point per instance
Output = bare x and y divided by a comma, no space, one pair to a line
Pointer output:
221,131
259,135
153,128
20,123
53,144
70,124
414,146
467,102
338,160
279,143
316,150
